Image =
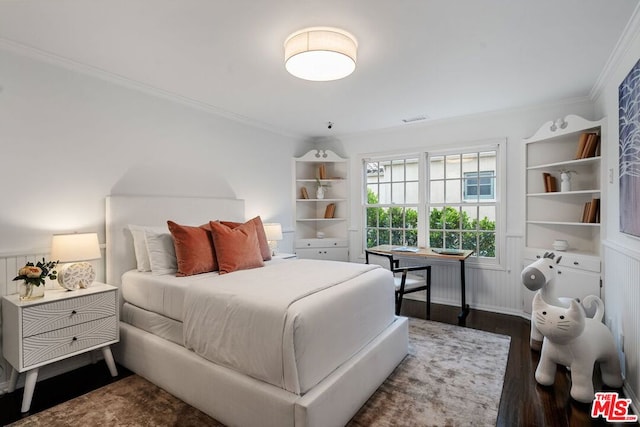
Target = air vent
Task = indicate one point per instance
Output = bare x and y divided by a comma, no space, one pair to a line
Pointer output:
414,119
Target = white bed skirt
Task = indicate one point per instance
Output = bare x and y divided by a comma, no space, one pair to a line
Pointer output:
238,400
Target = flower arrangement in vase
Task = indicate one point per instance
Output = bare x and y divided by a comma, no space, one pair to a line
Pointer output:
33,278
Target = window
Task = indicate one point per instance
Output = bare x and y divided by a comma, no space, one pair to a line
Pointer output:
391,204
479,184
442,200
462,203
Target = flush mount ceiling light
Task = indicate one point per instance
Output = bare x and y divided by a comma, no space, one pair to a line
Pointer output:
320,54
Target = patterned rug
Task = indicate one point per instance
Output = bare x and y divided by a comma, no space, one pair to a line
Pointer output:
452,376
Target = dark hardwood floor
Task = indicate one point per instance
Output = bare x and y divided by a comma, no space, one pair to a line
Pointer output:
524,403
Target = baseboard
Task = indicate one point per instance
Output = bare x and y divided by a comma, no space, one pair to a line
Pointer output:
417,296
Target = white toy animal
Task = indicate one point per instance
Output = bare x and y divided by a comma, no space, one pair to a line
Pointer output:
541,276
575,341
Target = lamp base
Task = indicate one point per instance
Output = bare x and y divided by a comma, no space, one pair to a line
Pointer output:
76,275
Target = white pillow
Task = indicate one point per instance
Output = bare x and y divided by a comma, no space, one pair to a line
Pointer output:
140,247
162,253
140,244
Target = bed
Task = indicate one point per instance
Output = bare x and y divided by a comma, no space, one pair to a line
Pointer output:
318,349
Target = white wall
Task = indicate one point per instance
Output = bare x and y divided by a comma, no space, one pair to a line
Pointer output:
621,251
497,289
69,139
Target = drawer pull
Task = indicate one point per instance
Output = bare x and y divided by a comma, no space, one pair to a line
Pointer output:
576,263
74,339
73,312
559,272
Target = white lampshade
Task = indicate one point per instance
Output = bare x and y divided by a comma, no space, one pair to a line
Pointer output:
320,54
273,230
75,247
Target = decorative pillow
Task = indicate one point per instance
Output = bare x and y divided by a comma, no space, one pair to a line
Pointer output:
194,249
265,251
140,245
162,254
236,248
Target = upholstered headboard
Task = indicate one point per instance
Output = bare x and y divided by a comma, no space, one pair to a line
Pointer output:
155,211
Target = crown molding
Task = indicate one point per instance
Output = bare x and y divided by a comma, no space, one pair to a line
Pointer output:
630,32
79,67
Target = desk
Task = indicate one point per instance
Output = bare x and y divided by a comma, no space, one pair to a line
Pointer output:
429,253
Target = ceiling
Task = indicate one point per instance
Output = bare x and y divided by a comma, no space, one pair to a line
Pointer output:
433,58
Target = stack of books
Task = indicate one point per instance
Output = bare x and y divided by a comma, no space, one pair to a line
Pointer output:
591,211
588,146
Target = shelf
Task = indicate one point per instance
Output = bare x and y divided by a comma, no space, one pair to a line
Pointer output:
322,180
319,219
321,200
579,162
563,193
580,224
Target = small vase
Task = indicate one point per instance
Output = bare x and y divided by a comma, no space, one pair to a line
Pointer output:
565,182
320,193
29,291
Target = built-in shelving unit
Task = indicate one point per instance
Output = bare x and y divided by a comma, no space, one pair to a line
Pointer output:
321,219
573,215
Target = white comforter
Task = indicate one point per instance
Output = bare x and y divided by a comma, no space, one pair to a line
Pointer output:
289,324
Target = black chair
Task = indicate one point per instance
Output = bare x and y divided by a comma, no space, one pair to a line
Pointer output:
405,283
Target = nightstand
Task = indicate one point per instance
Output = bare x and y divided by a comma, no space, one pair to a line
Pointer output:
282,255
60,325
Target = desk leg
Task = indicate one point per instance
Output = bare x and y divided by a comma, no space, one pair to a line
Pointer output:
29,387
464,307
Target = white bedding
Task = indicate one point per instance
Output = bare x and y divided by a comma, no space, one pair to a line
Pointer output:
163,294
300,319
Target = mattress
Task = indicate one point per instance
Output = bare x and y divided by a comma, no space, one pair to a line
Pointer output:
320,327
164,294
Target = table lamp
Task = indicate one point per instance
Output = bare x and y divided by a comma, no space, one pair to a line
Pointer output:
74,250
273,230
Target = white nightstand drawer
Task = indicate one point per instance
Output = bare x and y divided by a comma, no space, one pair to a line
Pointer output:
41,318
60,342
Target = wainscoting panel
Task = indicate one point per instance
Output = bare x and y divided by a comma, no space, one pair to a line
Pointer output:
622,314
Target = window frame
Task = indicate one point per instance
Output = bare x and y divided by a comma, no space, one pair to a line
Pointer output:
365,185
497,144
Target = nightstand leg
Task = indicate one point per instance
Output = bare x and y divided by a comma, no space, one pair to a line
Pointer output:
13,380
108,357
29,387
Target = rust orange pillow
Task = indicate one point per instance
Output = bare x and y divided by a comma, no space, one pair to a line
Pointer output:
194,249
262,236
236,248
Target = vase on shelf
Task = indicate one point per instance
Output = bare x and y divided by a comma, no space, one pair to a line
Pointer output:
29,291
565,181
320,192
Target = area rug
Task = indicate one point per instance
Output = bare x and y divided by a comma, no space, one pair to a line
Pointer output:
452,376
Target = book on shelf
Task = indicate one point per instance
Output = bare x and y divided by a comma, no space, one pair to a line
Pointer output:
588,145
550,183
304,194
322,172
591,211
594,209
330,210
582,142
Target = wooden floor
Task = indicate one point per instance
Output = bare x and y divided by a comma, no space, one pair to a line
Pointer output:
524,403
